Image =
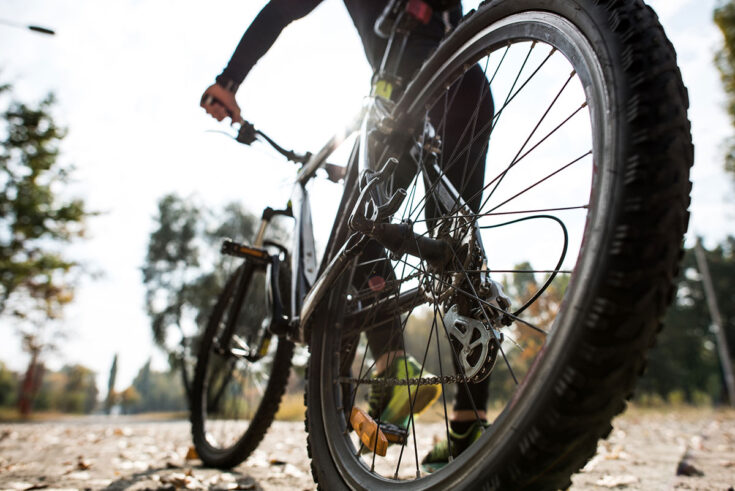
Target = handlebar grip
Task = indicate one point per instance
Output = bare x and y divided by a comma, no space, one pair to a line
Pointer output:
209,99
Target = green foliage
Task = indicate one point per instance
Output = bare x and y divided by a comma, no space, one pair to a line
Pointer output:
35,218
153,391
183,272
129,398
70,390
724,17
8,386
685,358
171,263
111,396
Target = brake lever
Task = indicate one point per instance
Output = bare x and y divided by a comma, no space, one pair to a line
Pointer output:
247,133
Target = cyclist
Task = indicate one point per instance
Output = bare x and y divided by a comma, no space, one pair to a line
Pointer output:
388,404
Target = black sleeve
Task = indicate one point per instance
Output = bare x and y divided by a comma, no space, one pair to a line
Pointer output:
261,35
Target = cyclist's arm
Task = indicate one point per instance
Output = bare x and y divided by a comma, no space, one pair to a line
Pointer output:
219,99
261,35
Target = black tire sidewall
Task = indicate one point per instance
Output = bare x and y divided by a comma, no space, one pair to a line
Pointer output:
539,397
241,449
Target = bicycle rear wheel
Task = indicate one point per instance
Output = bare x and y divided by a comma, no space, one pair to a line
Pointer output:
580,216
236,396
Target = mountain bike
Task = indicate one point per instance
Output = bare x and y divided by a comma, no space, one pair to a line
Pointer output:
550,280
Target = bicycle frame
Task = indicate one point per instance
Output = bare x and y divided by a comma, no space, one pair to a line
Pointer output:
308,287
309,284
304,267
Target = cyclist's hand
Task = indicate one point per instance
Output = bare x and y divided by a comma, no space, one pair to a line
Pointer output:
220,103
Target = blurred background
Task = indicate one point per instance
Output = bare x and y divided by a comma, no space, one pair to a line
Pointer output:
128,187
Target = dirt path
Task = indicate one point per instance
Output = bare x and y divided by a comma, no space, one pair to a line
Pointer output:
643,452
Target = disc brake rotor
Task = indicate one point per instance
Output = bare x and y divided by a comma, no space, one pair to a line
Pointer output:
477,344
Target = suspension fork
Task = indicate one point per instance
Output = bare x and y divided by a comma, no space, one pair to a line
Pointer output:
256,258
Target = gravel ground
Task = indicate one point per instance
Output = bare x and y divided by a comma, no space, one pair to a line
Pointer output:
645,451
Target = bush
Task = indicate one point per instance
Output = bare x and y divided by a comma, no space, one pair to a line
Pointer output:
701,399
676,397
8,387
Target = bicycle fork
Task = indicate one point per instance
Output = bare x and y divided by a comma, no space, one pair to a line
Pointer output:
259,258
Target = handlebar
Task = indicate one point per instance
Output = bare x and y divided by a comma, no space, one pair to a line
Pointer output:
247,134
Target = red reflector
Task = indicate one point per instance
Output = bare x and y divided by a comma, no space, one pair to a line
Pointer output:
376,283
420,10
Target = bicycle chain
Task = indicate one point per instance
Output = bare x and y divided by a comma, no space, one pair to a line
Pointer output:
446,379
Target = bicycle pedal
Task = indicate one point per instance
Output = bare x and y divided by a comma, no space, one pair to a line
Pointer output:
232,248
367,429
394,433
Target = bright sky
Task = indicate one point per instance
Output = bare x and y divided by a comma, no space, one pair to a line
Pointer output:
128,75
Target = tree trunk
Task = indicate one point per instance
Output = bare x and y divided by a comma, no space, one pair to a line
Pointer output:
31,383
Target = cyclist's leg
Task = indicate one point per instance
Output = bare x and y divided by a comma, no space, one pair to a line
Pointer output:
371,278
463,161
466,171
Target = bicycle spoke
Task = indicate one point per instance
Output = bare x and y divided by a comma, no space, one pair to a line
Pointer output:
514,163
444,398
518,271
483,302
432,198
492,123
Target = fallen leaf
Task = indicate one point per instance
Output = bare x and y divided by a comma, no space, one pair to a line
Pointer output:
177,480
36,486
122,432
191,454
83,464
79,475
617,453
293,471
687,469
245,483
617,481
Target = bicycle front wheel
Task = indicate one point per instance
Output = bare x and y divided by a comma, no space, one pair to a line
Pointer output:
565,179
236,391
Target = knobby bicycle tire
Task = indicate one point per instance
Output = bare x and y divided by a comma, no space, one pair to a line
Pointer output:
241,440
622,281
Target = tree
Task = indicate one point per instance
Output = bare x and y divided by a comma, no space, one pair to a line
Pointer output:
142,381
110,399
70,390
8,386
36,221
34,373
153,391
183,271
724,17
685,357
129,398
80,390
